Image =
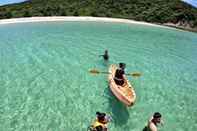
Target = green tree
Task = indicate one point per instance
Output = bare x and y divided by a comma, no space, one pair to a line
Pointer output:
76,13
157,11
27,14
8,14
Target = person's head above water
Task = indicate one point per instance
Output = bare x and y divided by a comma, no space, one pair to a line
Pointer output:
157,117
100,116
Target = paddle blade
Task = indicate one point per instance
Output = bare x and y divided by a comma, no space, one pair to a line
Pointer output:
94,71
136,74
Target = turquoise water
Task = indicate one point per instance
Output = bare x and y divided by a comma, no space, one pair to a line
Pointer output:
45,84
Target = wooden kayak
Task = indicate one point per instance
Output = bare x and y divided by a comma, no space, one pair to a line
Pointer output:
124,93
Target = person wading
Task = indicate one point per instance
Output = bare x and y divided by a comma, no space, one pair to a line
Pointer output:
105,55
153,122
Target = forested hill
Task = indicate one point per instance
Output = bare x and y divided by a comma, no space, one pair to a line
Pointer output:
155,11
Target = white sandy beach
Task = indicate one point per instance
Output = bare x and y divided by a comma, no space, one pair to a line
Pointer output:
72,18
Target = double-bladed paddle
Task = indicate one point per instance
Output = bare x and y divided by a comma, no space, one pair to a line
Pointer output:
95,71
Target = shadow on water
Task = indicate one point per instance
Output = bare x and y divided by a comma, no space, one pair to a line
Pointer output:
119,111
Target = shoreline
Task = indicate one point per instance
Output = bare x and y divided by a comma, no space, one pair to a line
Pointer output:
183,28
94,19
73,18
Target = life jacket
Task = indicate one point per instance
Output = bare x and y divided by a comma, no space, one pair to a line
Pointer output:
97,123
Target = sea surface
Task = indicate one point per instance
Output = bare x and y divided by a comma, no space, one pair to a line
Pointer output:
45,83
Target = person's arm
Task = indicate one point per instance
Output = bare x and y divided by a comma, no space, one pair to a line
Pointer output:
152,127
124,78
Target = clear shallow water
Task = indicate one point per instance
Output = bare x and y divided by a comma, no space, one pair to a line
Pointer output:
45,84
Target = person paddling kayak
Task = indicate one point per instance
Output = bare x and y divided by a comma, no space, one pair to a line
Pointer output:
119,75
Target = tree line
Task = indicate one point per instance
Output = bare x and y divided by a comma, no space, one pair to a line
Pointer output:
154,11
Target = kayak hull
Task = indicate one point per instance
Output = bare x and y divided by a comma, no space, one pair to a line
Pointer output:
124,93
